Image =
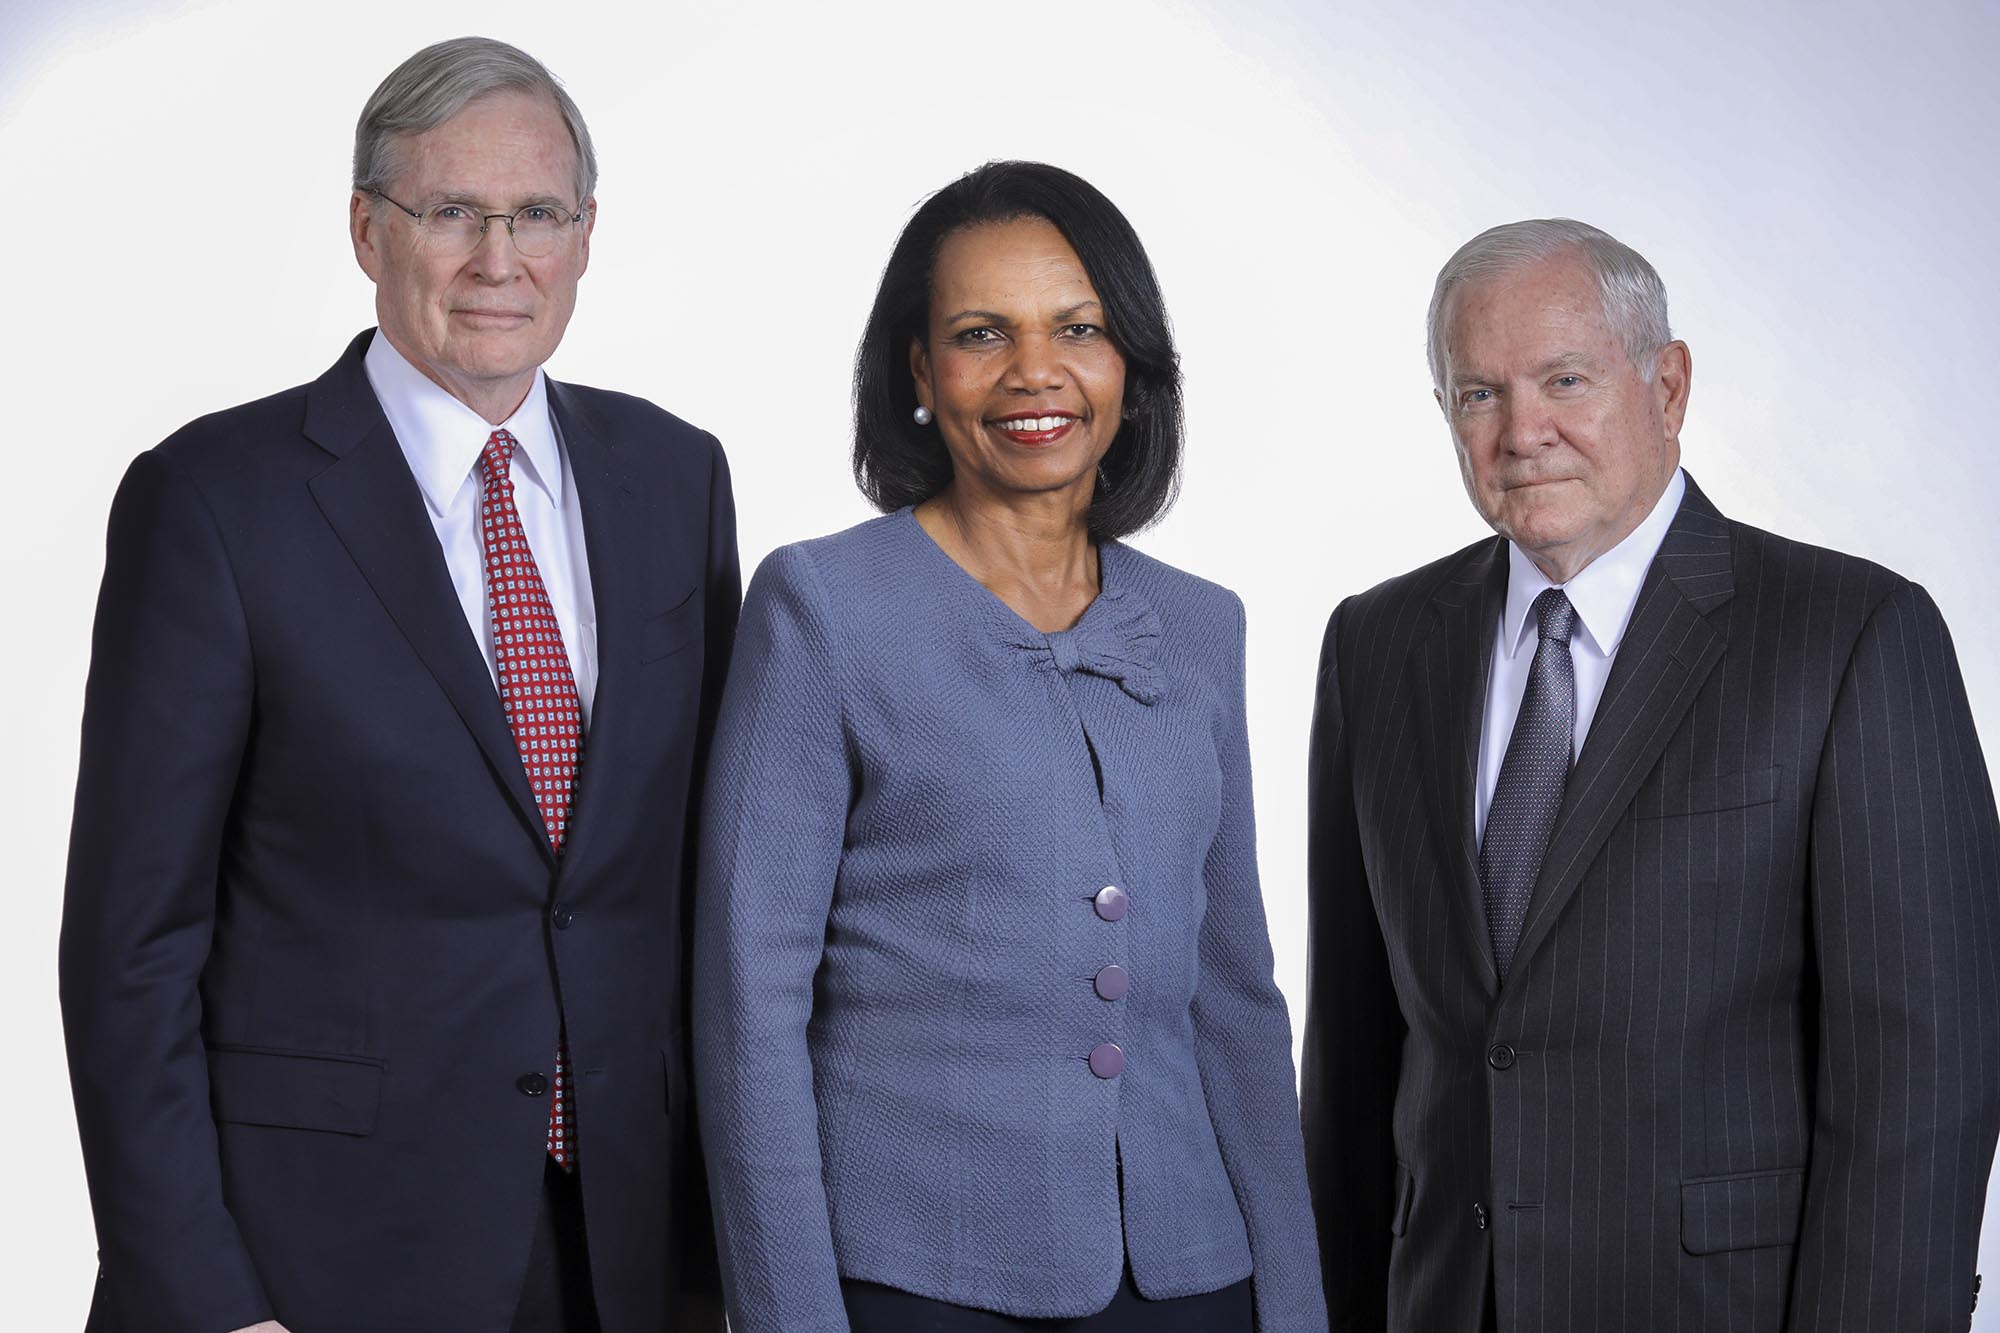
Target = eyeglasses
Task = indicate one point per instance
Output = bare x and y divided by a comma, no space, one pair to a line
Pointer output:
457,229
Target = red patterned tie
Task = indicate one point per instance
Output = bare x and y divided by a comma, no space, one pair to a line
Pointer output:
538,693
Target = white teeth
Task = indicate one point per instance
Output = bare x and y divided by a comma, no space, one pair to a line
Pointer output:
1036,424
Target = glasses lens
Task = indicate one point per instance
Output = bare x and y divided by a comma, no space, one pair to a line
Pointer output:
453,227
537,230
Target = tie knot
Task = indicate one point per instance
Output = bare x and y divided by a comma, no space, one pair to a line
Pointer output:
1554,615
497,458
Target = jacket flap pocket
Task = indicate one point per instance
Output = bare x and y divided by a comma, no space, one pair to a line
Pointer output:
1406,1193
1703,795
1742,1212
294,1089
672,630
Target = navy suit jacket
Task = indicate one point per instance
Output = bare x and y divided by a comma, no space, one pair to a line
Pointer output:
1743,1072
315,937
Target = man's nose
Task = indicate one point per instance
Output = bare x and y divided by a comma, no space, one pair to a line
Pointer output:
1526,426
494,257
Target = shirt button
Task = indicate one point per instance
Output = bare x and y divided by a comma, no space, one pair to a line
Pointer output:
1107,1061
1501,1056
561,916
532,1085
1112,982
1111,902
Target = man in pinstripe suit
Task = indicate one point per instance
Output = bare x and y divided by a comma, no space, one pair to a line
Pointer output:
1655,959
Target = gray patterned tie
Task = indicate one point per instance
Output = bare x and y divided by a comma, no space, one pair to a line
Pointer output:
1531,782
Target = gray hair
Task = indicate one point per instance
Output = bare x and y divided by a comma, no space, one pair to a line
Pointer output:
1635,300
436,84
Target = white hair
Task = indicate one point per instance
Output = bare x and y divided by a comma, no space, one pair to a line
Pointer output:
436,84
1635,300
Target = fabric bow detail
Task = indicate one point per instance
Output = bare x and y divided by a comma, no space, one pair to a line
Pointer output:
1117,639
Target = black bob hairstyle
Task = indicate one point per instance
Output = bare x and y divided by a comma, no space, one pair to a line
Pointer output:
897,462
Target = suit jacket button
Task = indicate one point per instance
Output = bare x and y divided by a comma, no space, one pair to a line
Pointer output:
1112,982
561,916
1501,1056
1111,902
532,1085
1107,1061
1479,1215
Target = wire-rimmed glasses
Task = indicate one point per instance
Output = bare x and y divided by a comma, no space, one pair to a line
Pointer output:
456,228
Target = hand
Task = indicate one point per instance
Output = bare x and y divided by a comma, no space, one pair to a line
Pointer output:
268,1326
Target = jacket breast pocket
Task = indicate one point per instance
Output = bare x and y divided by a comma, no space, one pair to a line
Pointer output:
1742,1212
252,1085
1707,795
667,633
1406,1194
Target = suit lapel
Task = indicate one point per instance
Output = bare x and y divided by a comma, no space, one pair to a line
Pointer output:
372,503
1668,651
1448,670
613,532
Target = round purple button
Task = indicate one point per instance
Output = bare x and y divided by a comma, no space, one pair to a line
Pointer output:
1106,1060
1111,902
1112,982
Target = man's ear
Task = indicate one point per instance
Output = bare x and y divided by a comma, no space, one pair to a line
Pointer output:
1671,381
361,229
589,207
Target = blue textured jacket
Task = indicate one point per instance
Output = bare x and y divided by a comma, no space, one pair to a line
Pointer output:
907,1067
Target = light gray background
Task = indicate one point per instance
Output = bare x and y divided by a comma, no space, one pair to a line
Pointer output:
1814,181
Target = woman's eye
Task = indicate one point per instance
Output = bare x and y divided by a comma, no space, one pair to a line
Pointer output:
1080,330
978,335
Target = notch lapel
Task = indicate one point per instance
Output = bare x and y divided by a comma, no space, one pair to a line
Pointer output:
614,537
1668,651
371,501
1448,670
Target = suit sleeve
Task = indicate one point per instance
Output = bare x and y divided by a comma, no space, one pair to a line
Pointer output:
701,1296
1905,883
1243,1040
166,713
1354,1030
775,818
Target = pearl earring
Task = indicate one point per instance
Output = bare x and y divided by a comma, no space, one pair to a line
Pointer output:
922,416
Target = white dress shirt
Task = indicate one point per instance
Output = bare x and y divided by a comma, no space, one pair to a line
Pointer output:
443,439
1604,594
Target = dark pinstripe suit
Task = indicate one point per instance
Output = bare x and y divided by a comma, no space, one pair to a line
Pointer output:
1744,1073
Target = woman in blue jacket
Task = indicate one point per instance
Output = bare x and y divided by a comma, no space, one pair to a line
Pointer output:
985,1025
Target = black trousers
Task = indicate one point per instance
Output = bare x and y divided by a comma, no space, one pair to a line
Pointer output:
876,1309
555,1295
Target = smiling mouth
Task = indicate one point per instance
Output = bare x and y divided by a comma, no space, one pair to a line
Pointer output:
1035,430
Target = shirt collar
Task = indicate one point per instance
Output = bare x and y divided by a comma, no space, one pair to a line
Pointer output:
442,438
1605,592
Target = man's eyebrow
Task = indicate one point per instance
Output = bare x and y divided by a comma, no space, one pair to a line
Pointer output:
472,198
1566,361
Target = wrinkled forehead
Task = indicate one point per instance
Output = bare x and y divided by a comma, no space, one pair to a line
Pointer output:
500,147
1525,317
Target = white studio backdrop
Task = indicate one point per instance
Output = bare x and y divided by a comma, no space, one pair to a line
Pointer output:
1812,180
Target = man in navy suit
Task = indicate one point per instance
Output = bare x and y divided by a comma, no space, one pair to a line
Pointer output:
372,945
1655,873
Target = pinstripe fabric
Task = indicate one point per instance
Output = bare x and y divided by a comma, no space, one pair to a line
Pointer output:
1743,1075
